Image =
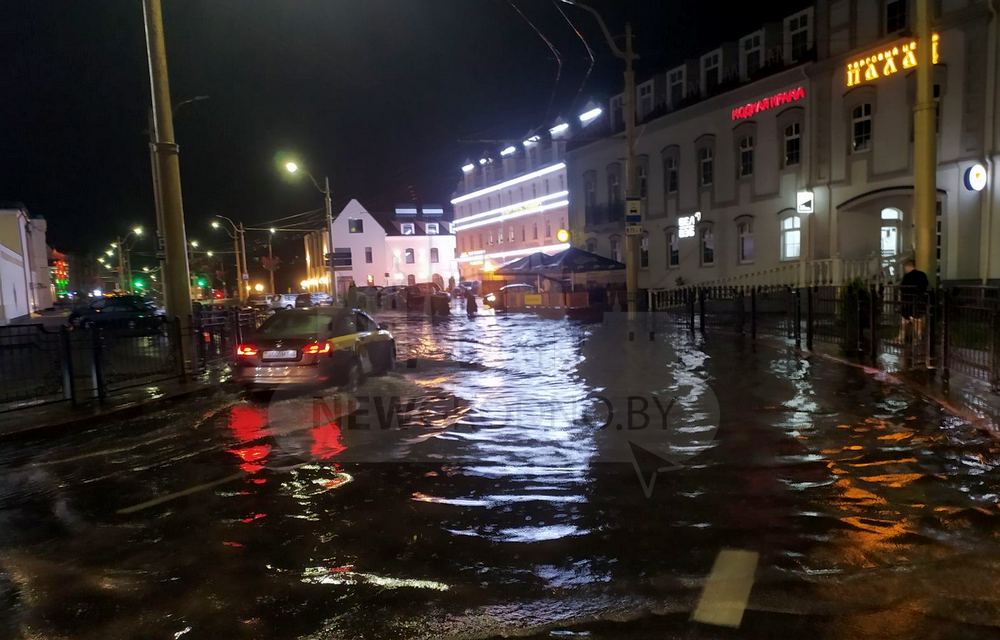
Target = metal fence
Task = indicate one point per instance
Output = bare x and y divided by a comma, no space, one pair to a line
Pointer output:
39,365
952,329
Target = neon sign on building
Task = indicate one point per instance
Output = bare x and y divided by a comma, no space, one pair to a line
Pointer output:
770,102
686,225
889,61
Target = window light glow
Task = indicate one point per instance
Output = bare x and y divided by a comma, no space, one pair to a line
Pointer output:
513,214
510,183
559,129
510,207
531,141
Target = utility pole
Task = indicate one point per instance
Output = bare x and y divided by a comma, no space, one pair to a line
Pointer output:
270,259
121,264
245,275
175,276
925,149
328,205
631,239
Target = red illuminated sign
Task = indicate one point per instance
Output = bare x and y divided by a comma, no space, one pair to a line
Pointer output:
751,108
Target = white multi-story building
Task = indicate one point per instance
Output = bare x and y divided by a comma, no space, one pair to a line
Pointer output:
787,157
415,244
25,285
513,205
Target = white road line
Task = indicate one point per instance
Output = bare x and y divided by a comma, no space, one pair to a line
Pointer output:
727,589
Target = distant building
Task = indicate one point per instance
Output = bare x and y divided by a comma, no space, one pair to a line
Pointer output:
413,244
24,269
512,205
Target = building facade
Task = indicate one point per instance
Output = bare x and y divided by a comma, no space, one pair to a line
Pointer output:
787,157
24,272
512,205
414,244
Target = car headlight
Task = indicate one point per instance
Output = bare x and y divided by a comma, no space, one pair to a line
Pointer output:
490,297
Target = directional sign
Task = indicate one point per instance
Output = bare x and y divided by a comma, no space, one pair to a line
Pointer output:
633,210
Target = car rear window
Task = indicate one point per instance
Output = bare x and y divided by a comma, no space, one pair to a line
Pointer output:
301,325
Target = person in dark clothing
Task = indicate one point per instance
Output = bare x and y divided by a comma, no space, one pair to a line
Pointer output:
470,304
913,299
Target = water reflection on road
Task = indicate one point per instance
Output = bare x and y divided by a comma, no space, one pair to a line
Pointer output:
497,511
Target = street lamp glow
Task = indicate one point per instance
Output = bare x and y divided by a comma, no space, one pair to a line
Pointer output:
291,167
589,115
101,260
560,128
259,288
114,245
507,151
109,253
194,244
215,224
273,230
137,231
466,168
209,254
146,269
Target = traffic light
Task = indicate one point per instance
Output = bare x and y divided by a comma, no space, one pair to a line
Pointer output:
202,281
139,284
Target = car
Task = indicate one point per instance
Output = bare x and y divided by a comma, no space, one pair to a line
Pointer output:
314,347
321,299
304,301
417,294
259,302
498,300
127,312
283,300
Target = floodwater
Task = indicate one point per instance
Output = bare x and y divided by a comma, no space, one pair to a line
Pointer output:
497,505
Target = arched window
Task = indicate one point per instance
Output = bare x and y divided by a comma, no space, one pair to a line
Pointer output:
791,237
889,238
861,127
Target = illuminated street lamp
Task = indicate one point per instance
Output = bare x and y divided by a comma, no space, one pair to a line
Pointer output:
294,167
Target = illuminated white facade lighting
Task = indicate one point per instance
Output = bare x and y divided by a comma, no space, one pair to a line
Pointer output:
510,207
560,128
509,151
466,168
483,161
479,256
510,183
533,140
588,116
512,215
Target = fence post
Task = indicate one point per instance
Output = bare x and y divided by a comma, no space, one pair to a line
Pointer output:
741,313
174,330
753,313
945,347
874,319
701,309
797,298
809,318
69,384
102,385
690,294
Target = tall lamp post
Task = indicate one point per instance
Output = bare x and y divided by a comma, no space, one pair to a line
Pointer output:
239,248
294,167
629,56
122,246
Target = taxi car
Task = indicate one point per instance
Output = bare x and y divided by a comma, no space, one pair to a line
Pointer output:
318,346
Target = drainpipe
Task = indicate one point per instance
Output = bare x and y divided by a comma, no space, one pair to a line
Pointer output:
989,149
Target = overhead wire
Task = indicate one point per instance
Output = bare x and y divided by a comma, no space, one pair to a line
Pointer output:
555,52
586,45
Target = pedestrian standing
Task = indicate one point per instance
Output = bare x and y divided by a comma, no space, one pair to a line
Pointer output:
913,300
352,296
471,308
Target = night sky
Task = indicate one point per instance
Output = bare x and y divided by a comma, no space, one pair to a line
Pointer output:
382,95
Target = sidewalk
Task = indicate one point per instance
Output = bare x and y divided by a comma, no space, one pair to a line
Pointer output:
52,417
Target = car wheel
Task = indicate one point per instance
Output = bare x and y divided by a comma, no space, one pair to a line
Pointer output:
353,377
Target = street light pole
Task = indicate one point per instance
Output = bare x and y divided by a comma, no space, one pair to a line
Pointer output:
240,250
328,205
270,259
176,289
629,56
925,149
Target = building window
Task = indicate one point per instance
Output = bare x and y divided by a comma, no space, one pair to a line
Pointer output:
491,238
589,192
355,225
407,229
592,245
707,240
791,238
675,87
534,231
616,117
546,186
798,37
432,229
645,92
434,255
710,71
746,156
750,55
670,172
705,166
510,236
861,127
895,15
890,237
500,235
744,233
409,256
368,255
480,241
640,174
614,185
524,233
644,252
616,248
548,229
673,249
793,144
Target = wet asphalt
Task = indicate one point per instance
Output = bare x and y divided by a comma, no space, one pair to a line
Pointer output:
488,488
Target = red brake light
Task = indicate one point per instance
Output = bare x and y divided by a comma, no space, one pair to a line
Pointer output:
317,348
246,350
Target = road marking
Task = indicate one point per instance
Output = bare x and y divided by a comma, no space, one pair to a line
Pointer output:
727,589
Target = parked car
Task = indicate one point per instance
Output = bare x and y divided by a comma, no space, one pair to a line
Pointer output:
319,346
259,302
417,294
304,301
498,300
321,299
283,300
128,313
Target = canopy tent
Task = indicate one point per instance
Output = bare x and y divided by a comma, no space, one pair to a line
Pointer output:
528,265
567,261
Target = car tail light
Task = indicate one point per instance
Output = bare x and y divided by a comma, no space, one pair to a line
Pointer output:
246,350
317,348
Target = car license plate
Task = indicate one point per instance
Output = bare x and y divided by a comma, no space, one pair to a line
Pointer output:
288,354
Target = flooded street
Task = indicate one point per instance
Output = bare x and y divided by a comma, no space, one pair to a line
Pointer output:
503,499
